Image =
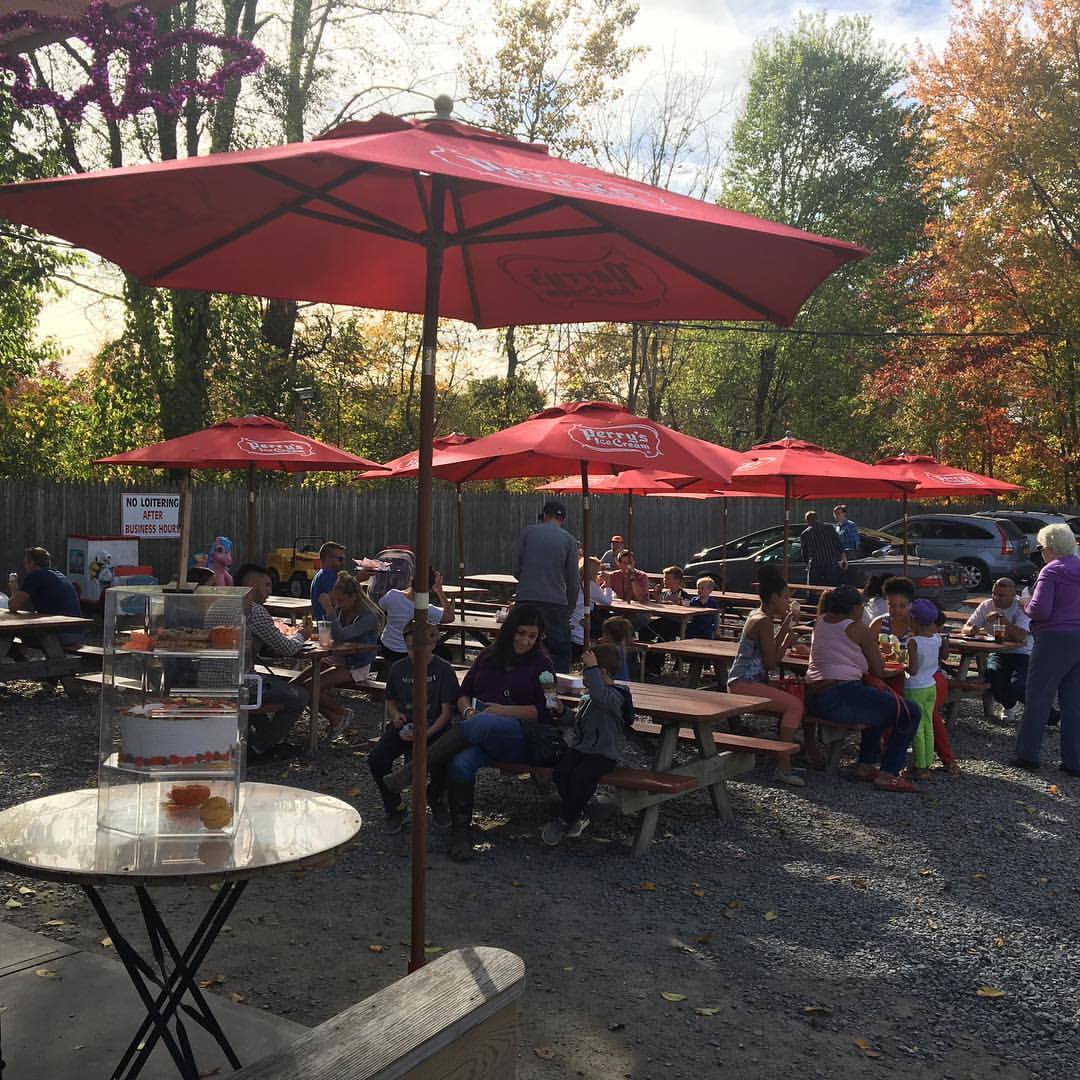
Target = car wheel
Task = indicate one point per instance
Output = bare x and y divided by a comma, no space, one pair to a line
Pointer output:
275,581
974,575
298,585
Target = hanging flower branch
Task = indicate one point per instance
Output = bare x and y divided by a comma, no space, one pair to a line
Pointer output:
107,35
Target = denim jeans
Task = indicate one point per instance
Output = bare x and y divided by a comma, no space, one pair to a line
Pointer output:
381,760
857,703
1054,669
269,729
1007,675
491,738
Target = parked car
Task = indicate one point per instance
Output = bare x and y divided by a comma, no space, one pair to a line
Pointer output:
292,568
1029,522
985,548
879,553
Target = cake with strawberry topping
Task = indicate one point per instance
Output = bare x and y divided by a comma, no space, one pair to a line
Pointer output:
150,739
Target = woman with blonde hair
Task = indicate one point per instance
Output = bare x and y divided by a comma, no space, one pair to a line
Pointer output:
1054,668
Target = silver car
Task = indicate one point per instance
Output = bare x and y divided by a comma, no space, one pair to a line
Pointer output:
984,548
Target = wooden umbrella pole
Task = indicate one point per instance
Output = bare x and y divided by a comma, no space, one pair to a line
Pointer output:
723,543
422,645
586,592
905,530
249,550
630,520
461,558
787,521
185,527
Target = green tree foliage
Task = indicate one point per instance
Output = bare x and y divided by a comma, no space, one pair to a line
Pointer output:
824,142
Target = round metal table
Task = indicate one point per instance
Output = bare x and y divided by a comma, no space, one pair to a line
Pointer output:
57,839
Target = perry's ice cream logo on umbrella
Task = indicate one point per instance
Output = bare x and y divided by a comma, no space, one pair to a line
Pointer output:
603,187
564,282
277,449
956,479
755,463
626,437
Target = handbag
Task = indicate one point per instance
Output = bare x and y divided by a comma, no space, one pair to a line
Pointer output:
544,744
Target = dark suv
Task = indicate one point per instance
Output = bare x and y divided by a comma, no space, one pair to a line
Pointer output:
1029,522
985,548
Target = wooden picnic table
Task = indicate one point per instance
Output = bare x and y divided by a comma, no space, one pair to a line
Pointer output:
673,707
496,580
979,651
679,613
41,631
288,606
463,590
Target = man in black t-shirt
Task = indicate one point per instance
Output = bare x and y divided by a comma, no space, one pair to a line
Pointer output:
396,740
822,552
47,592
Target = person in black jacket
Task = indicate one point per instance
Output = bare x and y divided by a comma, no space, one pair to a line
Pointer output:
606,711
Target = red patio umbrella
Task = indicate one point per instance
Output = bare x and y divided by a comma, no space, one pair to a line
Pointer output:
934,480
436,217
241,442
803,470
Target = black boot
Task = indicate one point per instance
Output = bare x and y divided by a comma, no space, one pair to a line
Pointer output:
439,753
460,794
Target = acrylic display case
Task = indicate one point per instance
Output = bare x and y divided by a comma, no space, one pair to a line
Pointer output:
172,743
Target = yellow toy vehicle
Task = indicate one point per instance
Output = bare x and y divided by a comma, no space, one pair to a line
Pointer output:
291,569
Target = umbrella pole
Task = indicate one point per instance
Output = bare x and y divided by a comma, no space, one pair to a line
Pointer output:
185,527
249,551
723,543
422,645
461,558
629,520
586,592
787,521
905,531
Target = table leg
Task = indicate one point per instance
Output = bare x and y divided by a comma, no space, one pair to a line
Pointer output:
316,679
52,648
665,755
703,734
173,983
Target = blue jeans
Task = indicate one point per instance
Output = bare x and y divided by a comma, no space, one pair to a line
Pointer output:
556,632
491,738
1054,669
857,703
1007,675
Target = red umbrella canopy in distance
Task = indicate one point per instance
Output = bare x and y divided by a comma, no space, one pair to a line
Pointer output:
348,218
241,442
630,482
935,480
408,464
600,435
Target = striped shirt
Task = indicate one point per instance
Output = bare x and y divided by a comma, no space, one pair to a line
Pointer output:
820,544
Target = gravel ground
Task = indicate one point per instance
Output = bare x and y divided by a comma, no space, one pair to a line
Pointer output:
835,930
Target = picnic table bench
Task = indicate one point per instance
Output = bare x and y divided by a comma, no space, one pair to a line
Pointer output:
43,632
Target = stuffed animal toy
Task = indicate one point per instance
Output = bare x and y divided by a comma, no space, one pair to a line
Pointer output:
221,560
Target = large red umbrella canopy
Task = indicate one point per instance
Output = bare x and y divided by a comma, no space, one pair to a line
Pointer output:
409,464
242,442
527,238
630,482
934,480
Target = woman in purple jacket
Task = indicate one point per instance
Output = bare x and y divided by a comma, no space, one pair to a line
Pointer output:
504,689
1054,611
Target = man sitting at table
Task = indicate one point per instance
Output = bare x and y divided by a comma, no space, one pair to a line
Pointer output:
630,583
1005,671
47,592
609,560
267,732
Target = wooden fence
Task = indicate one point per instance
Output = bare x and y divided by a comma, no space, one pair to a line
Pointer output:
368,518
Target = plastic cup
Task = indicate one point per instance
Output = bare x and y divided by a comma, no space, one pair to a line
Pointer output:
325,638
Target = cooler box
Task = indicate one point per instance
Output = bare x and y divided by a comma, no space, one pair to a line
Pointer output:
92,562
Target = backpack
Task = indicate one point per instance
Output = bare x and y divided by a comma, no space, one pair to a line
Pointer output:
399,566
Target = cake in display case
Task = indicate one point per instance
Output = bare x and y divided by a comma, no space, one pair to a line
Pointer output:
171,754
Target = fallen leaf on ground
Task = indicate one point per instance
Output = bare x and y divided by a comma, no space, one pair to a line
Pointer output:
515,884
215,886
817,1010
648,886
46,973
547,1053
859,882
703,939
834,877
999,943
989,992
1052,789
978,877
214,980
569,967
706,1012
235,998
867,1048
106,942
376,948
734,904
770,916
25,890
697,890
667,995
12,904
354,791
933,924
55,922
925,872
432,949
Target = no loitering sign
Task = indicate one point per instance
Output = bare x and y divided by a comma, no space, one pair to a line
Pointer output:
150,517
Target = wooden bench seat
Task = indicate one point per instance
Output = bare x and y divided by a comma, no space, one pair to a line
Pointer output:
725,739
622,777
453,1018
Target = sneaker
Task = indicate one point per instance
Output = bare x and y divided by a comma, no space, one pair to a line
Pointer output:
578,827
792,779
554,831
395,820
1008,715
440,817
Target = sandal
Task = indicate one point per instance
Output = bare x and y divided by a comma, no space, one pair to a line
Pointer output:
894,783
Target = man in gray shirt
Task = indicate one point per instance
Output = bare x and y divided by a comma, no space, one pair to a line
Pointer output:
546,566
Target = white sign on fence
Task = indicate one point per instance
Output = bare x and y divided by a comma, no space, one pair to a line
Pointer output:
150,517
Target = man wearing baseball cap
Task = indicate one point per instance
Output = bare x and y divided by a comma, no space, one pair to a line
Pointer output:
610,559
546,566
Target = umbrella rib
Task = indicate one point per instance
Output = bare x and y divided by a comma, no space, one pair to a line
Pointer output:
363,226
467,235
223,241
323,195
705,279
466,260
583,230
